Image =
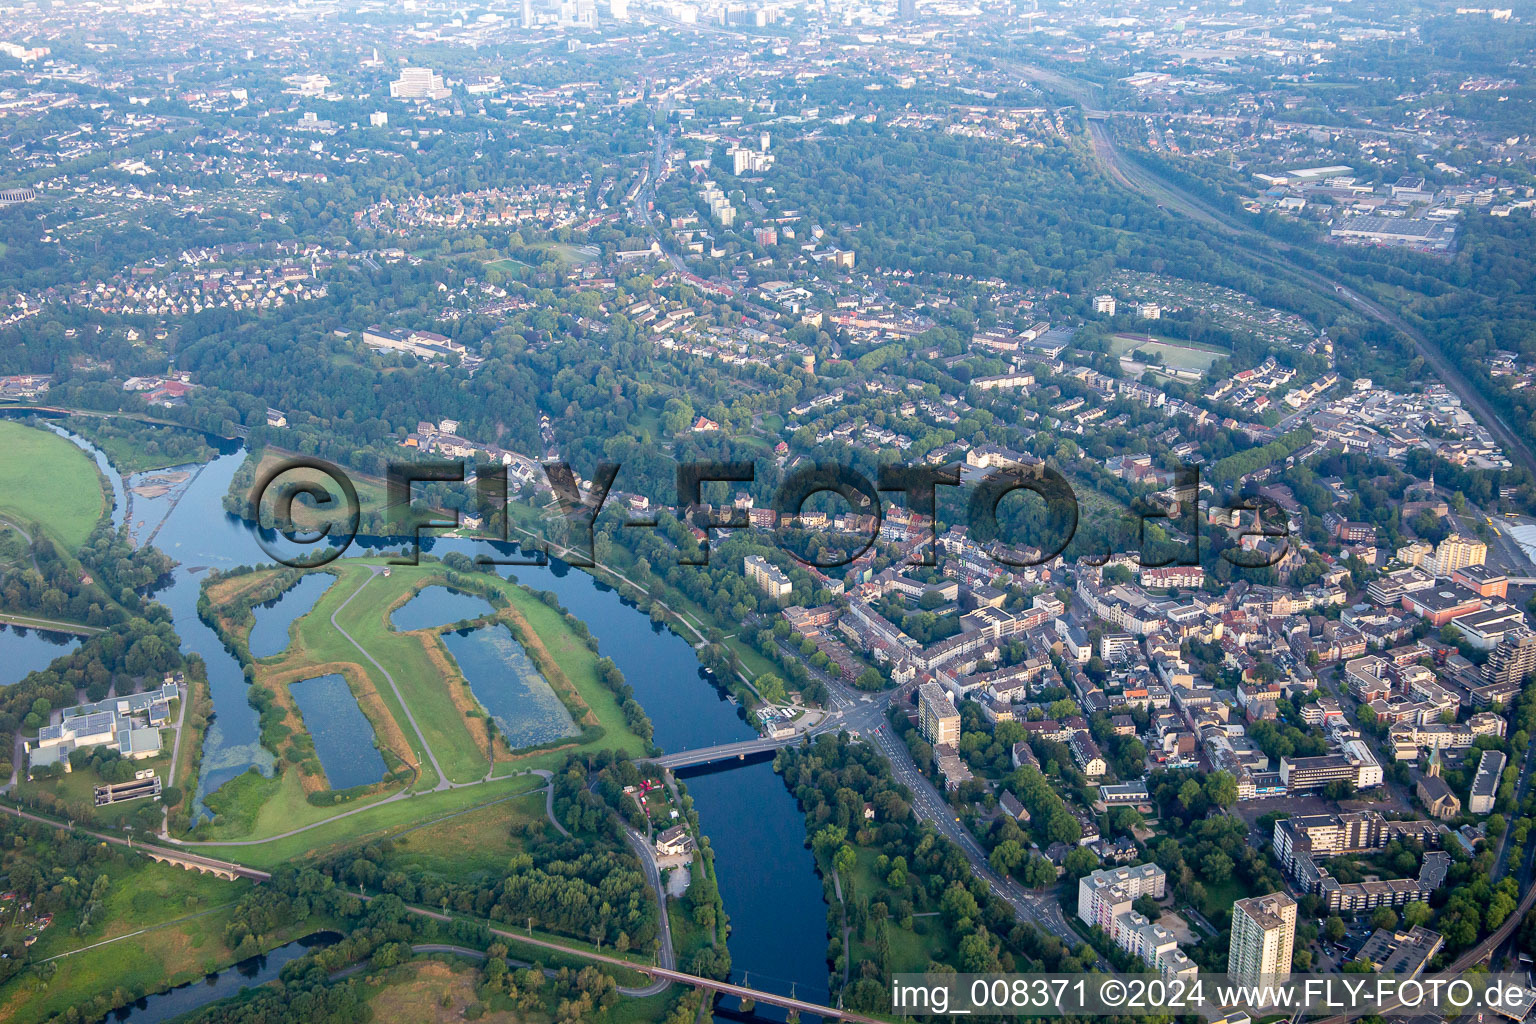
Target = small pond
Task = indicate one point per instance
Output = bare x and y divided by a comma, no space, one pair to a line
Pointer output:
508,685
438,606
343,736
29,650
269,635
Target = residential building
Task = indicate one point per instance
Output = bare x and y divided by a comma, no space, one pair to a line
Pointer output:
674,842
938,720
1512,659
770,579
1485,784
1263,933
1104,900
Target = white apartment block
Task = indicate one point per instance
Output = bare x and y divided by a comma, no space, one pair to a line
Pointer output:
1263,933
1104,899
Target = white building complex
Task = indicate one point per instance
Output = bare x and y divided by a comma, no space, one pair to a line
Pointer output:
1104,899
131,724
419,84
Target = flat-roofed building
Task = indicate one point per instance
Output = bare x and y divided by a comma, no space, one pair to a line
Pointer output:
937,718
1402,953
1512,659
1263,934
770,579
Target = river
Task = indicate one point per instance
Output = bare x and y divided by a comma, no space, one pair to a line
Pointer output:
766,875
183,999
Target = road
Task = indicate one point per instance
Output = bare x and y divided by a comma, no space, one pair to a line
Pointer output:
1273,254
646,194
726,751
26,538
49,625
864,714
1039,908
667,956
1522,789
549,799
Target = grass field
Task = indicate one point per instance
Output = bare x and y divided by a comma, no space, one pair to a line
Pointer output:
47,480
439,990
373,822
569,253
1180,355
436,991
182,915
475,843
252,806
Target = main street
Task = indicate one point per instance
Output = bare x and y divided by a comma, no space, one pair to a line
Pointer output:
864,714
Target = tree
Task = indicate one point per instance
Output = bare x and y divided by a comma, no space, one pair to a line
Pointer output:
1384,918
1417,913
978,954
1080,861
869,679
770,686
1220,789
1217,867
958,905
1008,855
1334,928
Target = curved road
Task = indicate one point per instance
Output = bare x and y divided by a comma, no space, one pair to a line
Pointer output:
667,955
549,798
25,536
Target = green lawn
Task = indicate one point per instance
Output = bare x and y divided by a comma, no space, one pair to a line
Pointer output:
251,806
1180,355
475,843
420,681
375,822
46,479
182,916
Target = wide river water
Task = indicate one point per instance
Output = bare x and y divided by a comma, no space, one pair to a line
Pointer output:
766,874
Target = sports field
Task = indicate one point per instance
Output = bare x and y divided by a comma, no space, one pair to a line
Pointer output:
45,479
1179,355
